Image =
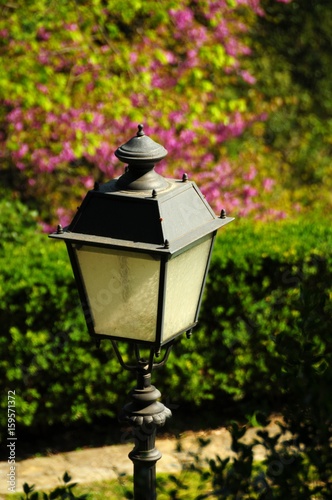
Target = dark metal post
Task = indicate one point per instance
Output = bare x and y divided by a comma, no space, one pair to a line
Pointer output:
145,414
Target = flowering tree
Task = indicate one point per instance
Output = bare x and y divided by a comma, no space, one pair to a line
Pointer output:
79,76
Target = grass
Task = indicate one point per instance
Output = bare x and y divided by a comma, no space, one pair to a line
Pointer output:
185,485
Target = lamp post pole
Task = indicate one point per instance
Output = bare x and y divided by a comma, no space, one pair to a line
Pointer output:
144,413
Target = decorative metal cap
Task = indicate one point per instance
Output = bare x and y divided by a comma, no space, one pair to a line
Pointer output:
141,153
141,149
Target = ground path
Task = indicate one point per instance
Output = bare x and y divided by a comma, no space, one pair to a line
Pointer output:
93,464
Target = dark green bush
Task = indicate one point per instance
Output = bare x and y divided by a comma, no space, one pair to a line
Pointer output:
265,344
267,323
47,356
266,319
61,492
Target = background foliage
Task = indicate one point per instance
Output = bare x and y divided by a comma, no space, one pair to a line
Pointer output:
78,76
293,41
264,341
266,315
239,92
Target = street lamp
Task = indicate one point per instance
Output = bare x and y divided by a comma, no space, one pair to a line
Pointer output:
140,247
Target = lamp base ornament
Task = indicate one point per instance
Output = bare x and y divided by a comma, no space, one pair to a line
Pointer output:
144,413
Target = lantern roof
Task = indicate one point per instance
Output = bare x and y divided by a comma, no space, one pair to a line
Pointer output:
141,209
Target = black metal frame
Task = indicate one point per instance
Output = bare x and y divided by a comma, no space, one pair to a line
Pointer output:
164,258
142,363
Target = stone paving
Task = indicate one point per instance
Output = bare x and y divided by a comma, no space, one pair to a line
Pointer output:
107,462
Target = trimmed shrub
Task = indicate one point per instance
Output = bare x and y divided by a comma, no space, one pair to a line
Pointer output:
266,316
47,356
263,342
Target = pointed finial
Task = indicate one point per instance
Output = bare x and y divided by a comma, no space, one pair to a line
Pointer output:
140,131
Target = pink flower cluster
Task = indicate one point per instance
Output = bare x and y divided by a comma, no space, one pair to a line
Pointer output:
65,132
225,32
174,62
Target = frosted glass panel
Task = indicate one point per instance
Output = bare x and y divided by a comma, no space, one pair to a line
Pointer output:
185,276
122,290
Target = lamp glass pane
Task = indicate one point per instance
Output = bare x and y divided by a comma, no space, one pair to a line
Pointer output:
122,290
185,275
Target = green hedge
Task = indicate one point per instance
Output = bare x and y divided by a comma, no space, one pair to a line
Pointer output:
48,357
264,340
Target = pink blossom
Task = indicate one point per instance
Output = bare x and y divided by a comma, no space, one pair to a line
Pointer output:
232,47
187,136
14,115
18,126
42,34
253,4
22,151
206,159
222,30
104,150
247,77
42,88
272,213
88,182
245,50
43,57
137,100
249,176
51,118
162,82
249,191
171,59
47,228
268,184
191,60
183,19
214,7
64,217
198,35
79,70
71,26
98,120
67,153
238,125
40,157
176,116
